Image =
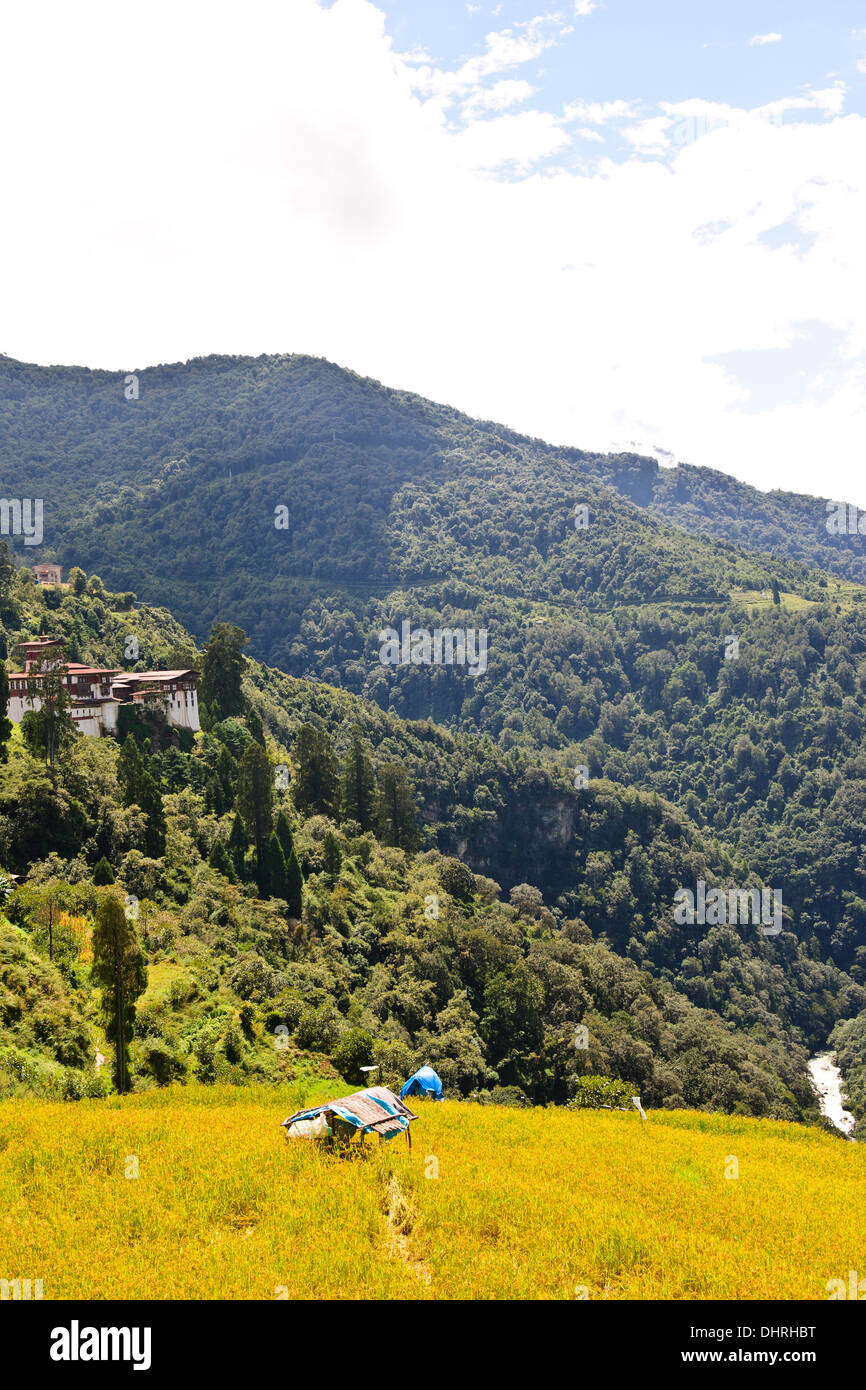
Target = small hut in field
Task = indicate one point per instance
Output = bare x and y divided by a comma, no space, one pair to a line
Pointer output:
374,1111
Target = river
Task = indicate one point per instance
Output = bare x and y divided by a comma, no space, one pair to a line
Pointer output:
827,1080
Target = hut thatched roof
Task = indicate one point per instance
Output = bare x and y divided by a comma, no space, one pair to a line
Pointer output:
376,1110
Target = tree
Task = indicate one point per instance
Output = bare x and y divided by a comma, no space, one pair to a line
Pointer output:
238,844
397,816
130,772
219,859
139,788
316,787
103,874
223,670
120,972
353,1051
78,580
255,726
294,894
358,786
332,857
273,879
226,771
254,798
5,724
49,728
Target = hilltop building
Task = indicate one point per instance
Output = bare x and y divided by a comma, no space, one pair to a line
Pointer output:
96,692
47,573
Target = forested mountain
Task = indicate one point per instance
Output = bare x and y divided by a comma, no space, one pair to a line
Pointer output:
659,634
490,985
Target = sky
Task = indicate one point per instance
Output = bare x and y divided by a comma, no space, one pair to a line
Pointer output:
615,224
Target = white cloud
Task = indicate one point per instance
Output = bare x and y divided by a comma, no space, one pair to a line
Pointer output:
650,136
758,39
582,8
507,92
287,185
599,112
861,64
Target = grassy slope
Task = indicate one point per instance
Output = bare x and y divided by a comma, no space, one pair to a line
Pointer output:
526,1204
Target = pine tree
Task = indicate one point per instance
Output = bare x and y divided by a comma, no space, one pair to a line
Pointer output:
274,881
226,771
150,801
223,670
316,787
332,857
254,799
120,971
219,859
283,828
294,878
238,845
397,816
103,874
255,726
295,892
358,786
5,724
130,772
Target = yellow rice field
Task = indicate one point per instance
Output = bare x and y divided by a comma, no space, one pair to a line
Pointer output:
490,1203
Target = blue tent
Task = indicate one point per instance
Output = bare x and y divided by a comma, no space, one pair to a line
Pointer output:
425,1082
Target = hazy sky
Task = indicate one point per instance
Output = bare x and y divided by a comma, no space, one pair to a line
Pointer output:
638,223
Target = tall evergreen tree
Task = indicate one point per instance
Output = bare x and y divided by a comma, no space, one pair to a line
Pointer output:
223,670
397,816
358,786
5,724
294,878
254,799
238,844
226,771
255,726
130,772
219,859
332,857
274,881
120,971
103,873
316,788
139,788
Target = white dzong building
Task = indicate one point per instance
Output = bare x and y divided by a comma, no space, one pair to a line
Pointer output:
97,692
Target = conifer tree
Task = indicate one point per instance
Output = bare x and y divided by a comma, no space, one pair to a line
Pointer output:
397,816
5,724
332,857
254,800
316,787
358,786
219,859
294,877
120,971
238,844
223,670
103,874
274,878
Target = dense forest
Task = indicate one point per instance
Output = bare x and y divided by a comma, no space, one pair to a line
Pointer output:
674,688
390,906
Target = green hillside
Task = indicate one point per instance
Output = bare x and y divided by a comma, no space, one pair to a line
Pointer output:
421,938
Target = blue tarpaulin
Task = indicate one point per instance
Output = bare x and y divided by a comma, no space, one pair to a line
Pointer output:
425,1082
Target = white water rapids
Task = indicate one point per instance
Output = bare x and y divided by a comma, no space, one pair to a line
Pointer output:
827,1080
